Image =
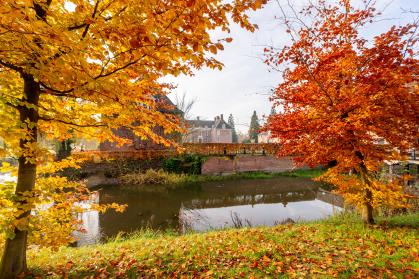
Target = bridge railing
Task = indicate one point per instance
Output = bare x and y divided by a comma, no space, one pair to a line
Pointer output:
230,148
206,149
97,156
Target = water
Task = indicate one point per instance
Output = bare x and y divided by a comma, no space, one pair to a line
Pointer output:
209,205
7,177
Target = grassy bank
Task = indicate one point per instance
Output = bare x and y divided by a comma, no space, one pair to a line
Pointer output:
162,177
339,247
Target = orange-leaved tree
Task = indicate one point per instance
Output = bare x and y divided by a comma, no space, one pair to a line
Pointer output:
347,99
84,68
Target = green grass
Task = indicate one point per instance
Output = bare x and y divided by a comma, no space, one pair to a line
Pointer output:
306,173
408,220
338,247
161,177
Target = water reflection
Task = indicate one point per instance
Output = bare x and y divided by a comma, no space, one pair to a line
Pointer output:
254,215
210,205
90,232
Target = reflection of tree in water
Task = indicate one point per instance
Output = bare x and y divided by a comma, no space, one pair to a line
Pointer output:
252,199
330,198
183,208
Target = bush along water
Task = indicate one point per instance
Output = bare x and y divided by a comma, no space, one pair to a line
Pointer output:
152,176
187,164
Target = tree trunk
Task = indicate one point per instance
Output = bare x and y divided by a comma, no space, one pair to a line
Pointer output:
14,255
367,211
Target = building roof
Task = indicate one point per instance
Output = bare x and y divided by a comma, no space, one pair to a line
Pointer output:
217,123
201,123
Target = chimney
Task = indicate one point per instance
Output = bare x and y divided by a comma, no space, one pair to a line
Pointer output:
222,117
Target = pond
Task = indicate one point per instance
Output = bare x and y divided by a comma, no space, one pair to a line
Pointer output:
209,205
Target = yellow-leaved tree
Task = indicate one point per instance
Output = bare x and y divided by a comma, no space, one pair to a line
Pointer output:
84,68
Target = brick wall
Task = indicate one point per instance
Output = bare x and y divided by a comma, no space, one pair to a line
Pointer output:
246,163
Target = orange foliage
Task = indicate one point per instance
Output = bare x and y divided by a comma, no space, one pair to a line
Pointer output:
348,99
85,68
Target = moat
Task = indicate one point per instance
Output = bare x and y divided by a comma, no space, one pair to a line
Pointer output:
209,205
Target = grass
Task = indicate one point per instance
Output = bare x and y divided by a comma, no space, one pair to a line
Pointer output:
408,220
161,177
305,173
338,247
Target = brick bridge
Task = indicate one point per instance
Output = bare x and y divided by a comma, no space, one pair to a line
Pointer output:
206,149
223,158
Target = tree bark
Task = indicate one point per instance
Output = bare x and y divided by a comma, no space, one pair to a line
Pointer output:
367,211
14,254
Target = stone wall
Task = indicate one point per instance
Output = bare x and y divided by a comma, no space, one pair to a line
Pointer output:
246,163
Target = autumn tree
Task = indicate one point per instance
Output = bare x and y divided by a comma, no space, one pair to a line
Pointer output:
90,67
254,128
347,99
234,132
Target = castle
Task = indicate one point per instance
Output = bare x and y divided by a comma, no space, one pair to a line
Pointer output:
209,131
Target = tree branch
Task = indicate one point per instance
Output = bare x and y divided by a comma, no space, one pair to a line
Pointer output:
11,66
72,123
41,9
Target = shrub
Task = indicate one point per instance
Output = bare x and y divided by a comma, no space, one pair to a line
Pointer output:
152,176
189,164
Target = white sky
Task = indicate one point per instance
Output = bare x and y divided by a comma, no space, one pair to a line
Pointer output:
245,81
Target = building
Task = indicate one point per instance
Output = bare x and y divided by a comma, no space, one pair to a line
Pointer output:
209,131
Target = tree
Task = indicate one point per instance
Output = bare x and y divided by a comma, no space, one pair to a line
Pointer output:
185,105
234,133
90,67
254,128
347,99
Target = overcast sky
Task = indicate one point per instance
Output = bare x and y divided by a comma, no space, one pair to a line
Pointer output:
245,82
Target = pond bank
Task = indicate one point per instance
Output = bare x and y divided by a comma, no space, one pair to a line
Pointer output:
160,177
337,247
